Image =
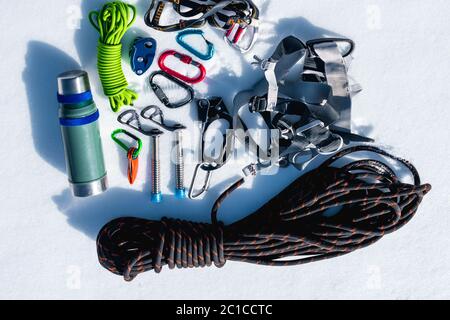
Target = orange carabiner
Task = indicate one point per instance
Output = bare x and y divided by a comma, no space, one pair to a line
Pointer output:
133,165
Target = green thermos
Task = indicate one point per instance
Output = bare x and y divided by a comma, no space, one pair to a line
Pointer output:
78,117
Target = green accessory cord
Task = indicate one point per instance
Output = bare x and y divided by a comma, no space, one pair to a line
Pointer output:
112,22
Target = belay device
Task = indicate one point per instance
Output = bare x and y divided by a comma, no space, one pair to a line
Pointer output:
142,53
209,111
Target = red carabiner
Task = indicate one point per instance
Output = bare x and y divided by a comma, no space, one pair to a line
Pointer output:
185,59
234,33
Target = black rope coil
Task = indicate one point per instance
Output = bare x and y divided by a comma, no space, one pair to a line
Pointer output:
326,213
176,243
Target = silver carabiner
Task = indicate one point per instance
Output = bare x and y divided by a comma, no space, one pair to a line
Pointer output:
233,36
193,193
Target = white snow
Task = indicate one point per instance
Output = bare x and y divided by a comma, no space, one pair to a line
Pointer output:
47,238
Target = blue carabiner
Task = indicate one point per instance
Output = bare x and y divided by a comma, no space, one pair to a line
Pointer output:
204,56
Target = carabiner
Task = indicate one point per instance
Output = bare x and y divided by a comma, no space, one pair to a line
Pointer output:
155,115
185,59
163,97
194,194
132,153
210,46
237,30
137,150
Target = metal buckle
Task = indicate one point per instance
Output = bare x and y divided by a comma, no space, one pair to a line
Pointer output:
210,110
315,123
299,131
258,104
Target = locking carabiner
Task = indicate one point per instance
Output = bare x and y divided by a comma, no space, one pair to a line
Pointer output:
210,46
185,59
235,33
132,152
163,97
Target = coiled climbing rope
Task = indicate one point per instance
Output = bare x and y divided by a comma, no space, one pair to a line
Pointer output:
326,213
112,22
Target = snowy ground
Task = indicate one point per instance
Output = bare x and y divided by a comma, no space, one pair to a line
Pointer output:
47,238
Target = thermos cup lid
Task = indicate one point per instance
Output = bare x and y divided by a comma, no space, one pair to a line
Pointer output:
73,82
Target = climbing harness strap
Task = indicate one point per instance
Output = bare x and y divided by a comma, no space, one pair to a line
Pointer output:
209,111
185,59
235,17
160,94
311,113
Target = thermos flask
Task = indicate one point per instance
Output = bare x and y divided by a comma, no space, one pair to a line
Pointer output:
78,117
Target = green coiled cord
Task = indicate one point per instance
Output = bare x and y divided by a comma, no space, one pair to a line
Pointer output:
112,22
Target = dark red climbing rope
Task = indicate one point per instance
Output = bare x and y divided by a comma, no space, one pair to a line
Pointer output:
326,213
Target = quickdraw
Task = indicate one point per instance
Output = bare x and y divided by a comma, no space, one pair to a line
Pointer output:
142,54
234,17
163,97
132,152
185,59
209,111
210,46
